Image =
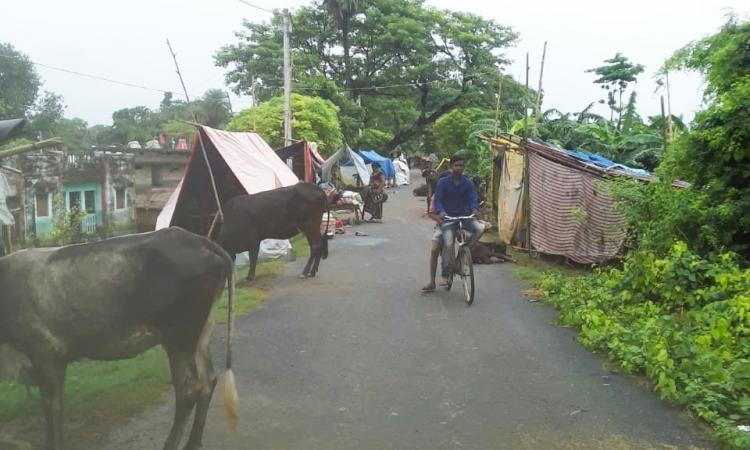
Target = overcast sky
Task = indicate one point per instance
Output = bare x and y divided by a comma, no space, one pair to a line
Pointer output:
125,41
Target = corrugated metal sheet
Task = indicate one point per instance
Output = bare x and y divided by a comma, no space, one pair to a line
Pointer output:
570,214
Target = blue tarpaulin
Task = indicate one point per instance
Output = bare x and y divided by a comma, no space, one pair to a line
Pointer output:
371,156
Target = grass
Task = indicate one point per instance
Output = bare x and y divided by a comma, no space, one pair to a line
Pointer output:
113,390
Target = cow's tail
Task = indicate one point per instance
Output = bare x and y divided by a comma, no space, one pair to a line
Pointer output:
324,240
230,387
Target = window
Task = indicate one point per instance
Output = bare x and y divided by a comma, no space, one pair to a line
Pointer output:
42,205
120,198
89,202
74,200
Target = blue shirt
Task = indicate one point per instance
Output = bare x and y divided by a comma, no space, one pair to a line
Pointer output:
455,199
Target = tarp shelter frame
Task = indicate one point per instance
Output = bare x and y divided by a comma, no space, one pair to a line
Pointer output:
242,163
305,162
559,181
342,153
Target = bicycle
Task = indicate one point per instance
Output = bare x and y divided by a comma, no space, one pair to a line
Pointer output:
462,264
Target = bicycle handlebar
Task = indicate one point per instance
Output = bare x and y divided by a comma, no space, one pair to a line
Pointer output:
458,218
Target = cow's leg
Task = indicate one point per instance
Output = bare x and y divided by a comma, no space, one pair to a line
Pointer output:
312,232
252,252
205,389
317,245
51,377
311,259
181,364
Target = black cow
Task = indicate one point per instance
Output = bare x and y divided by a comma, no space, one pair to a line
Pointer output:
276,214
114,299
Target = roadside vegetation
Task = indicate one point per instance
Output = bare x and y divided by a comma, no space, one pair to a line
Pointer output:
677,308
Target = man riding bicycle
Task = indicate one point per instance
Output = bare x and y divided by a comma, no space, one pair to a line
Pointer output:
456,196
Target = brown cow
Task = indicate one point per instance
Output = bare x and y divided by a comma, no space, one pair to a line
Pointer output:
276,214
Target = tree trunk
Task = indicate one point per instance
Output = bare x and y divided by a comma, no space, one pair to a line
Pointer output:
419,125
347,59
619,112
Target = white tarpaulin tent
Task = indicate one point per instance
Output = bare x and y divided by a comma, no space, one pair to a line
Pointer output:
402,171
346,153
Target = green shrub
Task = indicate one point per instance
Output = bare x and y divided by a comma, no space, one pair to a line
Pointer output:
681,319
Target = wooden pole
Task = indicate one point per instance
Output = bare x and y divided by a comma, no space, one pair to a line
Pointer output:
287,82
526,171
255,104
670,130
497,102
665,126
538,103
29,147
525,99
200,139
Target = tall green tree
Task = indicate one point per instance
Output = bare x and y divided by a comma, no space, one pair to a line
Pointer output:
313,119
715,155
133,124
212,108
19,83
451,132
47,110
614,77
405,67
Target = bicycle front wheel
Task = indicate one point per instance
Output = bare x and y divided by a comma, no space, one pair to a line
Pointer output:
467,273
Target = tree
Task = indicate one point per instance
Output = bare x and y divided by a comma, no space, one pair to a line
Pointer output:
212,109
313,119
715,154
74,134
19,83
452,130
615,76
133,124
47,110
406,64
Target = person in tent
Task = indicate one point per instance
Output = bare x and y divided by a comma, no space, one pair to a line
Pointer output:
374,195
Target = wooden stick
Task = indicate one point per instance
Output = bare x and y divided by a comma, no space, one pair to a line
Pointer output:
538,103
497,102
11,169
200,136
29,147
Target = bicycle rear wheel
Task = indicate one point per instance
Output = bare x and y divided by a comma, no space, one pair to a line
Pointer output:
466,271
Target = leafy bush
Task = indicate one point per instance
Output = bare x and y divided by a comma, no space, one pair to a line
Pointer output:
682,319
313,119
659,215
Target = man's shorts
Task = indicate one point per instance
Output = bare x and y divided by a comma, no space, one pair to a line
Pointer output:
437,236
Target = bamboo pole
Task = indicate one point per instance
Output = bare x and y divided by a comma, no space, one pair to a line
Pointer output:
670,129
525,104
665,126
29,147
200,139
538,103
497,101
526,171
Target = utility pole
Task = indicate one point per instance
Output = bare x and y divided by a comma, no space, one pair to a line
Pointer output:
287,82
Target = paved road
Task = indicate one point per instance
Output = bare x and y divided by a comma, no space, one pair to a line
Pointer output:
360,359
